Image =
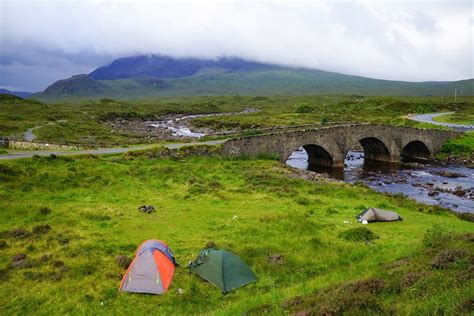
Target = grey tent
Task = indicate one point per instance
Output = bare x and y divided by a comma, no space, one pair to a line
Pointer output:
378,215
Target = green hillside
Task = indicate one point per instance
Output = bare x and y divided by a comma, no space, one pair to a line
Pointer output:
256,82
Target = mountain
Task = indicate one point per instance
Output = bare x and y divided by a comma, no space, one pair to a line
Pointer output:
77,85
21,94
156,76
168,67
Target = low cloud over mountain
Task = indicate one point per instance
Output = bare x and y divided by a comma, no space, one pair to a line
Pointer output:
42,41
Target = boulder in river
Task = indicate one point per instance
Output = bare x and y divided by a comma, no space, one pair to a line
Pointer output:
449,174
433,193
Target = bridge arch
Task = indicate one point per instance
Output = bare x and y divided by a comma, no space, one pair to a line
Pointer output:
318,155
416,149
375,149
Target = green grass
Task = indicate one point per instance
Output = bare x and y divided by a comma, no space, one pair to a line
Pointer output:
462,147
462,117
91,204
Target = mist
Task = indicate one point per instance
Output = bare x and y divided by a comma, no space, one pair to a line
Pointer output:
43,41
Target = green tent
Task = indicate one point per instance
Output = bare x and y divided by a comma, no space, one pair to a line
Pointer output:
222,268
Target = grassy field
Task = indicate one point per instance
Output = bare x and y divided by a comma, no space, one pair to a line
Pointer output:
466,116
256,208
83,122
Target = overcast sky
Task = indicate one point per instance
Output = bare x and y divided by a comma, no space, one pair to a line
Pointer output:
45,40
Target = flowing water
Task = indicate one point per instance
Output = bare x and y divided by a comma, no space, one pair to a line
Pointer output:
179,128
450,186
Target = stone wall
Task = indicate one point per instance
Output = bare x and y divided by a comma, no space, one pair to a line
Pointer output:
25,145
380,142
4,142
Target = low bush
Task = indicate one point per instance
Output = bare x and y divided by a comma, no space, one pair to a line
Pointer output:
450,147
436,236
41,229
466,216
304,108
44,211
19,233
448,257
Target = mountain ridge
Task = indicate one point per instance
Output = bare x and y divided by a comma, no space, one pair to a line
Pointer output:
168,67
155,76
21,94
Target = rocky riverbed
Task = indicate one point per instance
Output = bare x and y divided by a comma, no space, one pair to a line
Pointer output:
171,126
435,183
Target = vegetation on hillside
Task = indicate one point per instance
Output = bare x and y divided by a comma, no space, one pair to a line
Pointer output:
142,77
463,116
84,122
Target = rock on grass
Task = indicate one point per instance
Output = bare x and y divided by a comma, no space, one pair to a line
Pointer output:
359,234
148,209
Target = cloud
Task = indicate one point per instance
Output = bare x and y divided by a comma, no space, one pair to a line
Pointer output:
41,41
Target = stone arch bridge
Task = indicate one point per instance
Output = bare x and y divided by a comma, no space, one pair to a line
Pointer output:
328,146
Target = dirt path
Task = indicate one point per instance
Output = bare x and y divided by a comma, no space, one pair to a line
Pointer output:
102,151
30,136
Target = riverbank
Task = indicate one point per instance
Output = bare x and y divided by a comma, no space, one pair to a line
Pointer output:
80,213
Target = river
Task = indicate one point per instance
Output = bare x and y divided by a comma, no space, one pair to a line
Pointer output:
179,125
434,183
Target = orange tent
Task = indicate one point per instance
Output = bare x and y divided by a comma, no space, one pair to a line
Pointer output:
152,269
